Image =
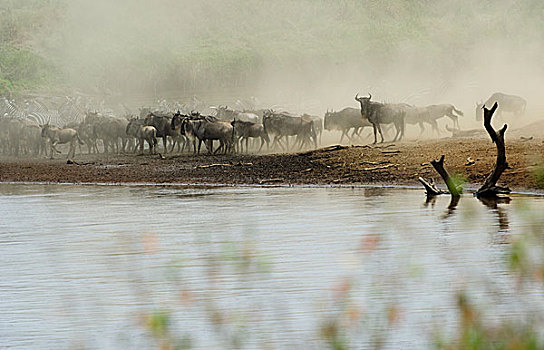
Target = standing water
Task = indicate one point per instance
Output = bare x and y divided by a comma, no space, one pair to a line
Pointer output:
115,267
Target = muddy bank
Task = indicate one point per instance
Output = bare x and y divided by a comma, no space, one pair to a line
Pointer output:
399,163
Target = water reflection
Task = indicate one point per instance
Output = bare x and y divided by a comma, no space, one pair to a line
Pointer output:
429,200
454,201
221,267
495,204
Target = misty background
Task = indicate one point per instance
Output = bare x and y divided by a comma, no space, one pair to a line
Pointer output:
312,54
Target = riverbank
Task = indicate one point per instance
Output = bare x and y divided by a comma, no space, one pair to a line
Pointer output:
396,164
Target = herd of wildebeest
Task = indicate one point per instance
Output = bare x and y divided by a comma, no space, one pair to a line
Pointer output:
34,127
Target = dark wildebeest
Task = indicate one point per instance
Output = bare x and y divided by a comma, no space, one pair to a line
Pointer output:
345,120
509,103
141,132
245,130
162,123
284,125
57,135
88,135
110,129
380,113
31,140
204,129
178,126
318,125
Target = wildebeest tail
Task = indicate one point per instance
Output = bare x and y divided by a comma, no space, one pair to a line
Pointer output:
154,137
457,111
79,140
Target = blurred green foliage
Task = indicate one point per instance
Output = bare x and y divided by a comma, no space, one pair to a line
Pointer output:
192,45
474,334
539,176
22,68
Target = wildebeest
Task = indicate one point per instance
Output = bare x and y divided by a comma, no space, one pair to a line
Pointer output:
56,135
162,123
245,130
31,140
318,124
109,129
204,129
345,120
445,110
430,115
142,133
509,103
88,135
229,114
381,113
420,116
283,125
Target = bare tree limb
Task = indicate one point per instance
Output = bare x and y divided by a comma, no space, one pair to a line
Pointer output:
430,187
438,165
490,187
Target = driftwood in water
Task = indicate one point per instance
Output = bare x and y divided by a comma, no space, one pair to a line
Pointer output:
431,188
490,187
438,165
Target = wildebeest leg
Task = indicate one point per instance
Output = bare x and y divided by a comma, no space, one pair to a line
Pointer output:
277,140
375,129
355,132
51,150
421,129
434,125
72,149
455,120
164,143
209,145
221,146
397,132
344,132
321,137
53,146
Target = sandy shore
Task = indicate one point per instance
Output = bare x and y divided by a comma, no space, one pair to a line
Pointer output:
395,164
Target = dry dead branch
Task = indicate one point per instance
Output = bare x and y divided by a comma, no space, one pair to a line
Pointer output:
490,187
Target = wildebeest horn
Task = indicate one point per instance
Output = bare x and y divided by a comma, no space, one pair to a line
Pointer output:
369,96
357,97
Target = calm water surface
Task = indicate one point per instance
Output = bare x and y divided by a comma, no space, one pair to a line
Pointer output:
99,267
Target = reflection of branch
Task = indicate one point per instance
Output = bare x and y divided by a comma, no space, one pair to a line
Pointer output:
492,203
490,188
452,206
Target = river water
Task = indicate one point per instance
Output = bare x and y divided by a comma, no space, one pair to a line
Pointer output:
134,267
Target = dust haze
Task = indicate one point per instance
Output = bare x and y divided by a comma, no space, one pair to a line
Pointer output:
307,56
